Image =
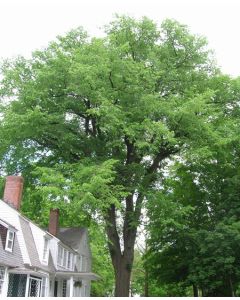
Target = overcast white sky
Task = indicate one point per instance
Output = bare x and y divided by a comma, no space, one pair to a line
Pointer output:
26,25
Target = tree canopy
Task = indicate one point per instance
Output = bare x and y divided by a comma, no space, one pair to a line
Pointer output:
92,123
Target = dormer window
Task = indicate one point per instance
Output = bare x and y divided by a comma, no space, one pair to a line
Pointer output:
70,261
65,258
80,263
65,252
7,235
60,255
9,240
45,250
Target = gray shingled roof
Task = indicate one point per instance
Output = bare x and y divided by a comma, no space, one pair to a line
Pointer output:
71,236
30,244
31,248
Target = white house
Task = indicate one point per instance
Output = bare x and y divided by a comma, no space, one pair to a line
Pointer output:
39,263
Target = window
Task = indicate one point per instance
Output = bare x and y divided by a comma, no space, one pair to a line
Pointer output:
60,255
64,288
73,262
65,258
17,285
70,259
2,275
55,288
7,234
70,264
80,263
65,253
3,234
84,264
34,286
45,250
9,240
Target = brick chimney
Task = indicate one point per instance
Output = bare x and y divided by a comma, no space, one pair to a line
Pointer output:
53,226
13,191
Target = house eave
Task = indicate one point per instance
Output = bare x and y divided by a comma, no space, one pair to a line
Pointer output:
7,225
79,275
63,274
26,271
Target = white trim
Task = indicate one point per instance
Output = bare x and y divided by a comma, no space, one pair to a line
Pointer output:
8,226
47,290
5,283
51,282
80,275
37,273
27,286
3,223
71,287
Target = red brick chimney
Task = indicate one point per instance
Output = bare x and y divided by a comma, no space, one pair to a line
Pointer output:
53,226
13,191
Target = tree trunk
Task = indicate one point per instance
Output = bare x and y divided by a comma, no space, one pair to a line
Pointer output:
195,291
122,278
231,287
122,261
122,252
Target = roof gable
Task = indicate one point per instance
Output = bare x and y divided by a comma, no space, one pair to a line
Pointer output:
72,236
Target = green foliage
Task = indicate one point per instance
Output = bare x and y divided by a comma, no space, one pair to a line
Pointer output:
144,283
138,279
101,263
194,220
80,97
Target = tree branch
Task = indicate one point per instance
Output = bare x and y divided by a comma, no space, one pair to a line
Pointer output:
130,151
162,154
110,79
113,237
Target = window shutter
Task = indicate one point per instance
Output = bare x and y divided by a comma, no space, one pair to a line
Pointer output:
3,234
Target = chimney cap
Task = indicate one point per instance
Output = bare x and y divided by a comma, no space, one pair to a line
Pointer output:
14,178
54,209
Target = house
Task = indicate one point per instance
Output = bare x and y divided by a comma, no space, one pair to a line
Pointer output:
38,263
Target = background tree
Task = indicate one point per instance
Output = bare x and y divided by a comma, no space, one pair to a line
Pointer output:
145,284
194,220
95,119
